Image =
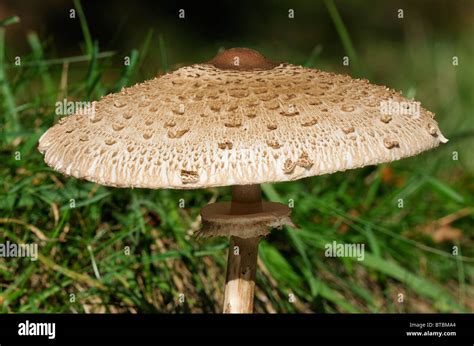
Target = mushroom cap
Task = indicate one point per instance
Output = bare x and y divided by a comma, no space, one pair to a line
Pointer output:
239,119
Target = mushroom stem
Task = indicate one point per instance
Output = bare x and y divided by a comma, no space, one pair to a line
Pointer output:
246,199
243,253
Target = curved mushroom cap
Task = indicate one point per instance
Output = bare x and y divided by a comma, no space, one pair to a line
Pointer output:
239,119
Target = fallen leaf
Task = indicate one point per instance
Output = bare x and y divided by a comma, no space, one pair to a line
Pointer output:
446,234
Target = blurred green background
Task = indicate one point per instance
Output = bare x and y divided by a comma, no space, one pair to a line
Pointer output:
84,264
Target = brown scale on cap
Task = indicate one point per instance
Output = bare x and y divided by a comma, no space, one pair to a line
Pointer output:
235,121
242,59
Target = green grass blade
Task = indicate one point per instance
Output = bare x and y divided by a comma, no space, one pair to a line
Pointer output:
420,285
273,195
87,201
9,106
93,73
37,49
311,62
84,27
343,35
61,61
9,21
163,57
445,190
127,71
145,48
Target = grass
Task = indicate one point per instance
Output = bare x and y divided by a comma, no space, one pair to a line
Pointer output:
124,250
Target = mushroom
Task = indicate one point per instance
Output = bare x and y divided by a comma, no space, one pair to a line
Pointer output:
240,120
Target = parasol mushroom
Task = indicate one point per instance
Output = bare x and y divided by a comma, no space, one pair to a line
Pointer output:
240,120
